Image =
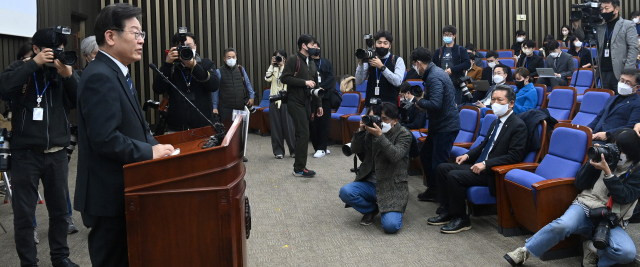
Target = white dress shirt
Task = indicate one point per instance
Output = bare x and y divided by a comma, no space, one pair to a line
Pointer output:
394,77
123,68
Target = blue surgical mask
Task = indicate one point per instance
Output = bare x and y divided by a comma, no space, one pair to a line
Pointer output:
447,40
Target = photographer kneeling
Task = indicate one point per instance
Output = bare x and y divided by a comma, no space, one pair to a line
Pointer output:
601,182
381,184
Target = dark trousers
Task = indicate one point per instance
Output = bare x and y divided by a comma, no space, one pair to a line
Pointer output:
435,150
27,169
609,81
553,82
281,129
107,240
320,127
301,123
224,113
453,181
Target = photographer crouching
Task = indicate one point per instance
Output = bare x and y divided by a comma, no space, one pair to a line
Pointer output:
381,183
610,187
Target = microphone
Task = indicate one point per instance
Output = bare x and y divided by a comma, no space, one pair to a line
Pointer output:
218,127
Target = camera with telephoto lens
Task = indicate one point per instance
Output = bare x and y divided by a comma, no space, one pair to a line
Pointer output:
608,221
369,52
161,126
588,12
370,120
278,60
184,51
317,92
5,151
462,83
375,101
610,151
251,109
66,57
280,96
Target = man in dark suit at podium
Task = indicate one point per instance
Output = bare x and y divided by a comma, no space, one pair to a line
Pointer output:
113,133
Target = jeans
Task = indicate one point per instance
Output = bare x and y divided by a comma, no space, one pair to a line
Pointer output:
435,150
362,197
35,224
574,221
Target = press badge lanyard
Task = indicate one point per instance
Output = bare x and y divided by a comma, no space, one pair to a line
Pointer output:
35,81
187,82
319,78
609,35
378,78
526,62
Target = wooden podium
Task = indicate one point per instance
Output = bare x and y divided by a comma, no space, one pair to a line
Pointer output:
189,209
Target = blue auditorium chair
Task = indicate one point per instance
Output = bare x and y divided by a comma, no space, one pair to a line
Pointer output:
256,120
416,82
505,53
350,105
460,148
561,102
582,80
362,89
469,125
536,51
541,89
592,103
510,62
541,193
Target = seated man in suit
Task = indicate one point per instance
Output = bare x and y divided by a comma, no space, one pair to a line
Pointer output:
415,118
621,111
492,63
505,144
530,60
483,99
562,65
381,184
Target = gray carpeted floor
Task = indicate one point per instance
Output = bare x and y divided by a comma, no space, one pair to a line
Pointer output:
302,222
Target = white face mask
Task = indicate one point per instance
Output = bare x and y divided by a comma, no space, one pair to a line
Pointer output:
527,52
498,78
194,52
565,33
491,65
636,20
623,159
554,54
624,89
386,127
578,44
231,62
520,39
415,67
499,110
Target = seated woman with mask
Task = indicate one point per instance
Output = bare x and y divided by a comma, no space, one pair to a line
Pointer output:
526,94
614,187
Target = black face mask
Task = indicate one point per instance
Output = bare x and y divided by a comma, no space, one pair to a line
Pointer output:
381,51
607,16
520,84
313,51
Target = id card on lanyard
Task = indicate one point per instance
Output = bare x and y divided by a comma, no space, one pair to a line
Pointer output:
38,112
319,77
608,45
378,75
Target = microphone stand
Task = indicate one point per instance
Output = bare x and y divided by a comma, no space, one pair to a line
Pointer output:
217,127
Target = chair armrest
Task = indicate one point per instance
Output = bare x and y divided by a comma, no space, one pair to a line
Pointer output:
422,139
552,183
346,116
463,144
522,166
261,109
565,121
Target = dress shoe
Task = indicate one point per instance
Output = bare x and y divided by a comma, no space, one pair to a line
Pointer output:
441,209
429,195
456,225
72,227
245,159
441,219
35,236
367,219
517,257
66,263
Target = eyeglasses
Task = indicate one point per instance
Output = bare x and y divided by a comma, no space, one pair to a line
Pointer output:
138,34
627,82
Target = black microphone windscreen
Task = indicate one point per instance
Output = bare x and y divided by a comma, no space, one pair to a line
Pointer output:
153,66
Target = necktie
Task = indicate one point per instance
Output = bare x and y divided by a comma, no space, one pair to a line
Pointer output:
130,83
485,150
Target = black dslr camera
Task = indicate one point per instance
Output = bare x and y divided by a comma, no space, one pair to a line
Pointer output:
281,96
66,57
462,83
370,120
589,14
278,60
375,101
610,151
369,53
184,51
161,126
5,152
608,220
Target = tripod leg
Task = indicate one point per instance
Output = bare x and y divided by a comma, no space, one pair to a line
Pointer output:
5,178
40,201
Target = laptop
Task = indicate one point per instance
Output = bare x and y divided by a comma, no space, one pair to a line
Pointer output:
546,72
481,85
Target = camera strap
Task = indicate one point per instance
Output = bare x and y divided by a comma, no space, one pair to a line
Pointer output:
189,82
297,69
244,81
39,95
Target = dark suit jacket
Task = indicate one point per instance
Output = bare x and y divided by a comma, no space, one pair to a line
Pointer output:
509,147
535,61
565,65
624,115
487,74
113,132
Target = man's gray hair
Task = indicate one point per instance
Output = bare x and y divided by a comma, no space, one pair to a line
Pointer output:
88,45
511,94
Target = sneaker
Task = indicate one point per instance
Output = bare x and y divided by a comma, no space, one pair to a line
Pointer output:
517,257
279,156
72,227
590,256
319,154
304,173
293,155
367,219
35,236
327,151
